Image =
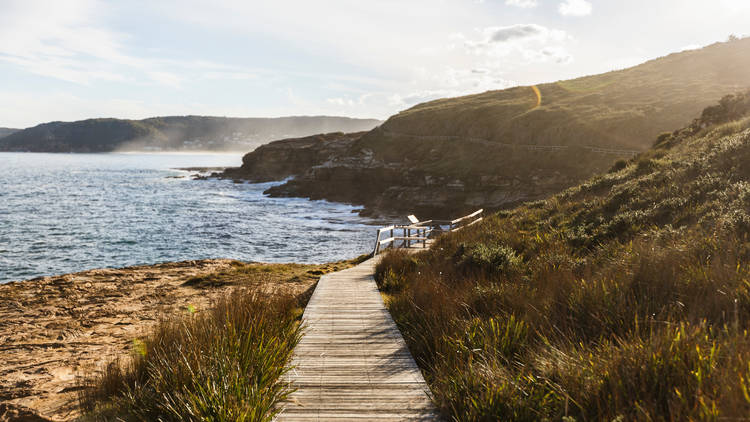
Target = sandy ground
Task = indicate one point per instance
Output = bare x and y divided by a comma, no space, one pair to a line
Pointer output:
55,329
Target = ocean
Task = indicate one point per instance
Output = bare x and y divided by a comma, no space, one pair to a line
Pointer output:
62,213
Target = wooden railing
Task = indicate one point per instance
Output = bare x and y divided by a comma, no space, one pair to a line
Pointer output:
420,233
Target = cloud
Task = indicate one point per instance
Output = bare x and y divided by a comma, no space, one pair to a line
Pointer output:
15,107
100,51
340,101
557,54
522,3
520,31
690,47
517,34
526,42
452,82
349,101
412,98
575,8
68,42
230,75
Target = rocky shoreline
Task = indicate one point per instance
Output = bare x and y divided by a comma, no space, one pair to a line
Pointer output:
343,168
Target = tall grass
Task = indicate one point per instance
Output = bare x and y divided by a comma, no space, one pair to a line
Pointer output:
226,365
626,298
656,330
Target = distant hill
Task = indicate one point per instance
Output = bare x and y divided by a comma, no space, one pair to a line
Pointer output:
4,131
174,133
504,147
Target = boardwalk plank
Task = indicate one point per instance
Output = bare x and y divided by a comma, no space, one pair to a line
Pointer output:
352,363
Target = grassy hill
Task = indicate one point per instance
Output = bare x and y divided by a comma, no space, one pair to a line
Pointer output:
620,109
175,133
500,148
624,298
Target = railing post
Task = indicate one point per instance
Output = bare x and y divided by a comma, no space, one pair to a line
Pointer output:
393,242
377,244
408,238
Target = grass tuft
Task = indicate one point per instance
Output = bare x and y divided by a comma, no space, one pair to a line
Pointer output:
224,365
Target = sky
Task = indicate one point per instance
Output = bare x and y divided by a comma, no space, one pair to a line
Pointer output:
77,59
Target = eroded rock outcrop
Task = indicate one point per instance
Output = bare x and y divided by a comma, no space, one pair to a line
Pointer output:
339,167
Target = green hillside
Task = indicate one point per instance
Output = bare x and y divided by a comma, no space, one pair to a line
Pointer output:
624,298
620,109
173,133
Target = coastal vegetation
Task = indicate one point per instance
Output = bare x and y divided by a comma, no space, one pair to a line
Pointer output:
226,365
623,298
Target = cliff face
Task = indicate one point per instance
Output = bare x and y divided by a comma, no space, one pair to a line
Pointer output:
290,157
335,168
398,187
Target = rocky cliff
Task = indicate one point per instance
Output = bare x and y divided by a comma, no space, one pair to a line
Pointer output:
334,167
279,160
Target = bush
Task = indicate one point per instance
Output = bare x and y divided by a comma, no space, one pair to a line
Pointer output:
223,366
662,139
492,258
391,271
617,166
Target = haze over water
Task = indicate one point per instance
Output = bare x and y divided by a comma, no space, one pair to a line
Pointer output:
62,213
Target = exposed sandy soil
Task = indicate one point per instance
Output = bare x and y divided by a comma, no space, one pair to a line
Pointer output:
55,329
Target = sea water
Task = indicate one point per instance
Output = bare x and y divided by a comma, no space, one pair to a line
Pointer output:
62,213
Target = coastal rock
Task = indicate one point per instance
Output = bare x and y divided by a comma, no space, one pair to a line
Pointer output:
336,168
289,157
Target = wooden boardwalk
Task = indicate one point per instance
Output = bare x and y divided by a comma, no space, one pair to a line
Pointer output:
352,363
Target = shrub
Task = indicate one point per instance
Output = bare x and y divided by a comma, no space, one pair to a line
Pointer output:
617,166
662,139
223,366
392,268
492,258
